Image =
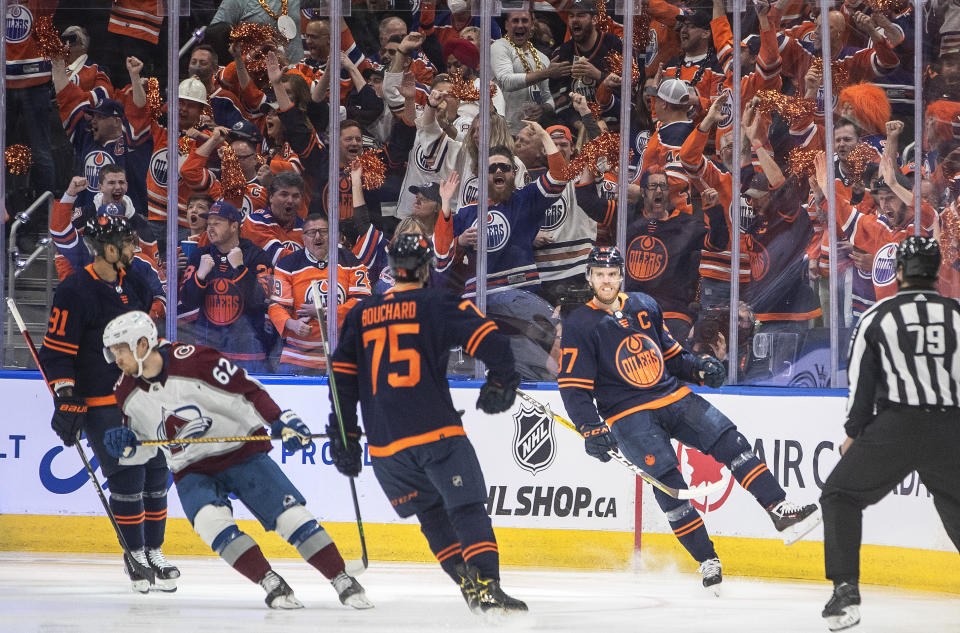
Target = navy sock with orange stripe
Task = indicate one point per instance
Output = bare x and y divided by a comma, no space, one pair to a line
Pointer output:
478,543
686,522
734,451
442,538
155,506
126,503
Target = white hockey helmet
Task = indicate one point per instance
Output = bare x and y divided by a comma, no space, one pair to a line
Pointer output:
192,89
129,328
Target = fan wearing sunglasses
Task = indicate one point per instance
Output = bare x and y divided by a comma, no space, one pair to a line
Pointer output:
514,217
90,77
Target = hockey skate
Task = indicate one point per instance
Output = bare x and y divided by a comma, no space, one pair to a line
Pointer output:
468,588
490,598
138,581
711,570
350,591
794,521
843,609
279,593
165,574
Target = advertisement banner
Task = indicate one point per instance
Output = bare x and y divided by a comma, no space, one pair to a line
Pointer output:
798,438
536,472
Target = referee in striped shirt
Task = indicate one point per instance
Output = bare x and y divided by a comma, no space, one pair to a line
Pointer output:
903,414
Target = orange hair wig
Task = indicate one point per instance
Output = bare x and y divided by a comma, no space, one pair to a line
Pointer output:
870,105
942,113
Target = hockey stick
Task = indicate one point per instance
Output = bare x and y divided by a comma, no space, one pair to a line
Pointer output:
353,567
217,440
131,562
676,493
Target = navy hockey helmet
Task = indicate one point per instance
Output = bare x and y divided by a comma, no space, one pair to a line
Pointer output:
605,257
409,254
919,256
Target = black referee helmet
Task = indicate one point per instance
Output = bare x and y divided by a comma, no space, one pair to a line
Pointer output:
919,256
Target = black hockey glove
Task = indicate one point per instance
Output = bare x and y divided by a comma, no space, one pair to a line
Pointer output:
598,442
348,458
294,432
711,371
69,413
497,396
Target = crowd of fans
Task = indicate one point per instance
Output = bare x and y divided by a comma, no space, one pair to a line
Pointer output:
254,152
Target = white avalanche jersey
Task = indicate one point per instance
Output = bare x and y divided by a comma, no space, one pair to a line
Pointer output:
200,394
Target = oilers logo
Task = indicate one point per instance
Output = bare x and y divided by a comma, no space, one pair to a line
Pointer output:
19,23
726,111
646,258
533,444
639,361
310,297
748,217
158,167
498,231
432,165
224,303
181,423
555,215
759,259
469,191
885,265
653,47
92,163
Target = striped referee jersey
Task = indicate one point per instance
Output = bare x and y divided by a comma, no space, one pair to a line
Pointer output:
904,351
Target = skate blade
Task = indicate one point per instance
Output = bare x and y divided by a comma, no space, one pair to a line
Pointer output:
166,585
358,601
286,602
140,586
847,620
798,530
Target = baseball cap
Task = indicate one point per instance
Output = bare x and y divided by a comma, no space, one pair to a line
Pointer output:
752,44
561,129
699,18
583,6
430,191
367,73
106,107
674,91
225,210
757,186
245,130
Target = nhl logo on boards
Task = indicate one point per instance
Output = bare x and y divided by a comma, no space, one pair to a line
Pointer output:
534,446
885,265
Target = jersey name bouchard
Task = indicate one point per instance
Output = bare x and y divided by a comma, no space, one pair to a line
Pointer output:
398,311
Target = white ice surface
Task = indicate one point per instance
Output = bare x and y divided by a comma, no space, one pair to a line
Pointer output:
70,593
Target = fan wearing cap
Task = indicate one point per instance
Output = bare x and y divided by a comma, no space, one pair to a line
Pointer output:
673,128
567,233
697,63
587,51
192,100
82,379
223,297
450,26
101,134
293,311
90,77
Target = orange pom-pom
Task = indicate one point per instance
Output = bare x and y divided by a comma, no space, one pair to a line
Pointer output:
800,162
154,101
641,32
19,159
231,176
599,155
615,66
950,235
858,159
48,40
183,146
251,38
841,78
372,167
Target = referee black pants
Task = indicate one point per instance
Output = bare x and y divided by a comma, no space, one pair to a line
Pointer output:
900,440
